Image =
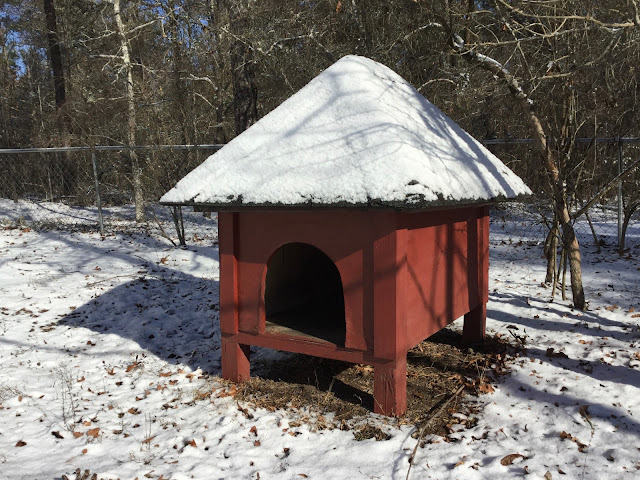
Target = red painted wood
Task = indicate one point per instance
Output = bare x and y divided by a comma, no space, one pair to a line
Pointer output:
301,345
476,319
235,361
404,277
229,284
390,387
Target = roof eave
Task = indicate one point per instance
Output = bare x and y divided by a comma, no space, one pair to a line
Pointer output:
372,204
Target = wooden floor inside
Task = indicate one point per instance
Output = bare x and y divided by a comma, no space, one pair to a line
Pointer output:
313,325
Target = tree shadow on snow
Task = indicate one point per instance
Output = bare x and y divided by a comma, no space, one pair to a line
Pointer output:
595,369
170,314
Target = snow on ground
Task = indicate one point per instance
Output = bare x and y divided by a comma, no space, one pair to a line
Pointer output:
109,354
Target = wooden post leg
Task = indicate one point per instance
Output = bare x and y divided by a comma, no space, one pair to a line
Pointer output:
235,361
390,388
475,323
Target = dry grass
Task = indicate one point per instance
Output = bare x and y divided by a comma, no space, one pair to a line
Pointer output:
331,394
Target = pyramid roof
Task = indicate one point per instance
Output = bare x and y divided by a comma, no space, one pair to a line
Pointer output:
357,135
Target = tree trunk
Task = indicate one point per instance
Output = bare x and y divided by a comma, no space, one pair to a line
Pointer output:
551,251
245,92
628,212
67,168
549,159
55,53
131,114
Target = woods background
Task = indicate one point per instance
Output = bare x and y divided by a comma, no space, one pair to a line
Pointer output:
149,72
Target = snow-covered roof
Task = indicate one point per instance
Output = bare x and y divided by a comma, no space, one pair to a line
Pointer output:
358,134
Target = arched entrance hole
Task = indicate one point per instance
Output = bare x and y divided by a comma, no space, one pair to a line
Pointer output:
303,294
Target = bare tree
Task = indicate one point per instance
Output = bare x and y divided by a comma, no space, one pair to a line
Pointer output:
551,43
131,111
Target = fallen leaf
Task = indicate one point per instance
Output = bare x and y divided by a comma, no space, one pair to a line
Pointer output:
57,435
21,443
193,443
486,388
78,434
94,432
165,374
148,440
84,450
231,392
552,354
86,423
133,366
509,459
254,430
256,443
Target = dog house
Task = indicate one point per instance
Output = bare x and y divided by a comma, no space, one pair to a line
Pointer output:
353,224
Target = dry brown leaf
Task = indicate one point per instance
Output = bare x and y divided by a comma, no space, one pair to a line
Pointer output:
552,354
635,315
193,443
231,392
84,450
133,366
78,434
148,440
254,430
94,432
509,459
256,443
21,443
486,388
165,374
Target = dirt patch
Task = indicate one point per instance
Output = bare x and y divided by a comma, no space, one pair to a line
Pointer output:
331,394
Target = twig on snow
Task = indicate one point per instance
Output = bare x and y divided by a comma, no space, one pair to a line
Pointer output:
424,426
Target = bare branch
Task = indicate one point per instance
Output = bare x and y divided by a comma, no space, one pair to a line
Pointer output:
636,12
583,18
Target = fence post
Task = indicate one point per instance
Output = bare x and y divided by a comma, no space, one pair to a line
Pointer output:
95,179
620,205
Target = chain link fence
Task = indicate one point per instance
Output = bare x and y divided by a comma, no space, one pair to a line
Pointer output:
93,188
